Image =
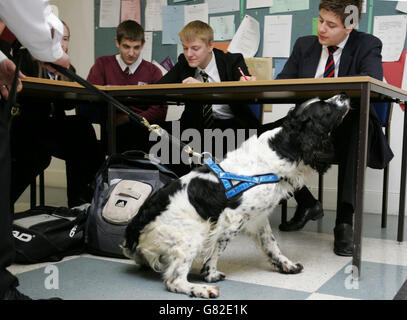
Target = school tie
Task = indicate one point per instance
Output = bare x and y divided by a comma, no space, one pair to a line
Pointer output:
127,71
330,63
207,115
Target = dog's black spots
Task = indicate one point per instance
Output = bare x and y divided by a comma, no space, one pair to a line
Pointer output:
209,199
151,208
203,169
205,270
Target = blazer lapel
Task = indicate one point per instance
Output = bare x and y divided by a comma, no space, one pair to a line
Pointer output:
311,60
347,56
221,65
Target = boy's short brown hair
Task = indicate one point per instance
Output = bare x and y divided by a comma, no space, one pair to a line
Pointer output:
197,29
130,30
338,7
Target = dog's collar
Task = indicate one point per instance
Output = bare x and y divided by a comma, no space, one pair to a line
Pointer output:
246,183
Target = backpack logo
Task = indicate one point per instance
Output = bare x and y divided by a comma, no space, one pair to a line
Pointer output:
121,203
25,237
73,231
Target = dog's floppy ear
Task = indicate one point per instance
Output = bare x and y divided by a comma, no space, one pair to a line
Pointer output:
299,109
321,160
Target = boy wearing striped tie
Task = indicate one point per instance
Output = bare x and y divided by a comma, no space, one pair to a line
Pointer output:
339,50
201,62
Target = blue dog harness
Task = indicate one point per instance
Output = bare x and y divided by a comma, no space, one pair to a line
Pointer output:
246,181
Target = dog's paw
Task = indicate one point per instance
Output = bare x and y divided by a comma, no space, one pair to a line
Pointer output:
202,291
215,276
290,268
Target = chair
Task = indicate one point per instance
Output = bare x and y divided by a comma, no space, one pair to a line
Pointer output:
384,111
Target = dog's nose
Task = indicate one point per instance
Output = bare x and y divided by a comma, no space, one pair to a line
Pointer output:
340,100
344,96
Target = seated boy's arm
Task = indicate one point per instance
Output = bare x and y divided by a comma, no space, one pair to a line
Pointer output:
173,75
97,74
370,63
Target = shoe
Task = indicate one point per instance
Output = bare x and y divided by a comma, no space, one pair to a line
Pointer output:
302,216
343,244
14,294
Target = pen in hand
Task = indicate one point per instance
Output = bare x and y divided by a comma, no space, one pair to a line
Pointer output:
244,76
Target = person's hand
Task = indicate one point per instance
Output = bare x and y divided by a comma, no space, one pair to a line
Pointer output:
63,61
249,78
7,69
191,80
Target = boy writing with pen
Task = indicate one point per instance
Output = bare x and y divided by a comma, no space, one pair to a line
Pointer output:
201,62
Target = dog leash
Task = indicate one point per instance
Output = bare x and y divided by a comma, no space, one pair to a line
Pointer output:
126,110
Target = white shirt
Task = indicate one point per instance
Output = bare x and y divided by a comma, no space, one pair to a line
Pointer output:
324,57
132,68
31,22
220,111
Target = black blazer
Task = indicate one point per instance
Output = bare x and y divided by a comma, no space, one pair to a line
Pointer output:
227,64
361,56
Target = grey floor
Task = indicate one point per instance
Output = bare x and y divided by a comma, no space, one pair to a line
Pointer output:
325,275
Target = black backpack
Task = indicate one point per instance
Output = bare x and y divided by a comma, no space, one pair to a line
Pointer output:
45,233
104,230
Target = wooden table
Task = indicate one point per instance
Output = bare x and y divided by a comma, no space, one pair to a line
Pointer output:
364,89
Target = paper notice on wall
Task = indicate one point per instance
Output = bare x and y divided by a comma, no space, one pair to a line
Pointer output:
196,12
402,6
250,4
147,51
247,38
391,30
109,14
277,36
153,15
173,22
289,5
221,6
131,10
223,27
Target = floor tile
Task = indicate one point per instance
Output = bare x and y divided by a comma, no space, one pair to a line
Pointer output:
378,281
320,296
89,279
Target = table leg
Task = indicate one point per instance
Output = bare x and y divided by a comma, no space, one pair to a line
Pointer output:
402,212
360,178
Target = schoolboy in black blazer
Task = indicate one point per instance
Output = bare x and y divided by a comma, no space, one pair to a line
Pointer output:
199,60
357,54
227,65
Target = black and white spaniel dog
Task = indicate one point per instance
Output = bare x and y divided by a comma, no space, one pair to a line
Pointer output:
192,217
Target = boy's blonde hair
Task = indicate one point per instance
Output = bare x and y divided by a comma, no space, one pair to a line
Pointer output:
196,29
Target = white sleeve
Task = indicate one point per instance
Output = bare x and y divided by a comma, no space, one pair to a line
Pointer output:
31,22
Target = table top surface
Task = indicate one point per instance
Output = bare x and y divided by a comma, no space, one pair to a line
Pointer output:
227,91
